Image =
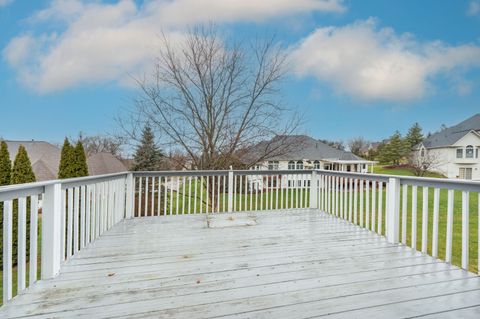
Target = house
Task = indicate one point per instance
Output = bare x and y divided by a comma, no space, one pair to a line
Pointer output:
44,157
455,149
305,152
104,163
45,160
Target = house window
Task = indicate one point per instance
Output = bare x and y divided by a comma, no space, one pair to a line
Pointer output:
459,152
299,164
422,152
469,151
272,165
465,173
291,165
316,165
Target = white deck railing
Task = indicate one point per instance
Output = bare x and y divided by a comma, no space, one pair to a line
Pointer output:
74,212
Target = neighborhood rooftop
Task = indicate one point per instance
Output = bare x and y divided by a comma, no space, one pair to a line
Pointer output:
454,133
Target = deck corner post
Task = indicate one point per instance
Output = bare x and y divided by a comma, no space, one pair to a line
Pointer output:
51,230
313,190
393,211
130,195
230,190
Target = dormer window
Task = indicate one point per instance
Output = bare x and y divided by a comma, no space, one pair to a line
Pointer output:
459,152
291,165
469,151
422,152
316,165
300,165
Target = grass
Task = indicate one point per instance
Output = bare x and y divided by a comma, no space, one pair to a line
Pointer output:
442,223
401,171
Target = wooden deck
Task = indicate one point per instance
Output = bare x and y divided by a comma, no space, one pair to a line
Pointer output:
289,265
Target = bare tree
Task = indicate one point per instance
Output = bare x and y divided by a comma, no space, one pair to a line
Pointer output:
215,100
421,162
357,144
98,144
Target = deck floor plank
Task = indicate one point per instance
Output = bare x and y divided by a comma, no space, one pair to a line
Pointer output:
291,264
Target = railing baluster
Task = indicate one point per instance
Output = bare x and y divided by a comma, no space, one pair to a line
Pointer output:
159,196
22,244
361,211
342,180
195,195
425,220
165,200
139,200
350,200
436,207
374,203
380,208
177,196
367,205
152,208
63,225
33,239
448,249
82,216
171,195
7,250
465,228
70,222
183,194
88,210
404,213
76,214
147,190
355,201
414,217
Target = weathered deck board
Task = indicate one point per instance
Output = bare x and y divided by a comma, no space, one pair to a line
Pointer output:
297,264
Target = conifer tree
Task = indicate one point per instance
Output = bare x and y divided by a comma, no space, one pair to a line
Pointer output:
395,150
22,172
81,167
67,161
148,156
414,135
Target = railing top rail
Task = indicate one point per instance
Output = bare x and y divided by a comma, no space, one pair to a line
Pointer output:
27,189
446,183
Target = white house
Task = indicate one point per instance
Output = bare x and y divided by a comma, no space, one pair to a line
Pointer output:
304,152
455,150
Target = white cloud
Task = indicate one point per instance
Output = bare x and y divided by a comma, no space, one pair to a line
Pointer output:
373,63
4,3
473,8
100,42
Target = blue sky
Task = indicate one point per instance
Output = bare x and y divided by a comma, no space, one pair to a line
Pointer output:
359,67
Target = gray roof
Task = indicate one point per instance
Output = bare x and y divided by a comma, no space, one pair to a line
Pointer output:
44,157
301,147
454,133
45,160
104,163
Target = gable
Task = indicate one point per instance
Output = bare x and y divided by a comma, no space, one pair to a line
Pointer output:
471,138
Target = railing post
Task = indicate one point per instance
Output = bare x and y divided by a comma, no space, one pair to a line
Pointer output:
393,210
130,196
51,230
230,191
313,190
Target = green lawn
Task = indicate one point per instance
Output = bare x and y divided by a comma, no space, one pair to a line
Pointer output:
457,225
402,171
